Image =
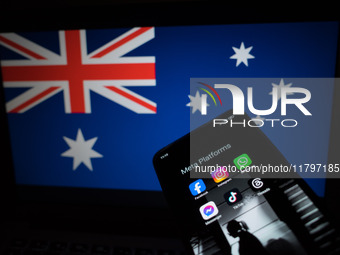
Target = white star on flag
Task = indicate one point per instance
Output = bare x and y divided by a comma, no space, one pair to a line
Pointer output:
198,102
81,151
242,54
279,87
257,120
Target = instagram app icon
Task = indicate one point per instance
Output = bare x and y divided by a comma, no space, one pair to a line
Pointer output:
220,174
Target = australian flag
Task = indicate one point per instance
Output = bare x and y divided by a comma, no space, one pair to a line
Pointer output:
89,108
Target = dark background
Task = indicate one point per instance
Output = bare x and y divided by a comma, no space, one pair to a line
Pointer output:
29,15
38,14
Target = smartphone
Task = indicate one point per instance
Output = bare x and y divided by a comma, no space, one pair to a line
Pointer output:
232,211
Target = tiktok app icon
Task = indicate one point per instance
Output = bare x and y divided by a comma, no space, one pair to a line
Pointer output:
233,196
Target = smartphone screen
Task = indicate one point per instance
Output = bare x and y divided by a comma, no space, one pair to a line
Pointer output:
223,208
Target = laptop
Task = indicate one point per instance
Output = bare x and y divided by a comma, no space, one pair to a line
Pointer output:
86,105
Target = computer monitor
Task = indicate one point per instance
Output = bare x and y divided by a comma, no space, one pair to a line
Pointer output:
88,105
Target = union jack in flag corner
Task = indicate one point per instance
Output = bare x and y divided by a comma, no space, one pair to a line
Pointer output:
75,72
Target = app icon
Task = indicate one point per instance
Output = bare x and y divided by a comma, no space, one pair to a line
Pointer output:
197,187
256,184
208,210
242,161
219,174
233,196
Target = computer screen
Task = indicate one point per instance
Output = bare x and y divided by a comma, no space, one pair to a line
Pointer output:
90,108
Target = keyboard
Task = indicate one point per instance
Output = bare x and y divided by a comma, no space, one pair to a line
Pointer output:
38,247
54,243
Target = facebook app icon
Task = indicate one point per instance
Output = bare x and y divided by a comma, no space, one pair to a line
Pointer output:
197,187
